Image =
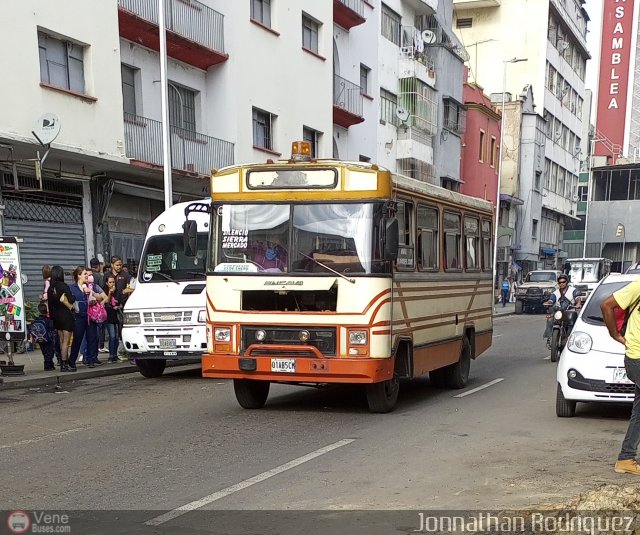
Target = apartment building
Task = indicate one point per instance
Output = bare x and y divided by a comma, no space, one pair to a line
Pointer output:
514,44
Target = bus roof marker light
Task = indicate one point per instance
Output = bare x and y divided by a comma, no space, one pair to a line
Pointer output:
301,151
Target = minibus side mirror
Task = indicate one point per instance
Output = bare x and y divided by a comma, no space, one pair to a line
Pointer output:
190,237
392,240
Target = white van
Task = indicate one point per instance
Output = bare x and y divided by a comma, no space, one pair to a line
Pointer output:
165,317
586,273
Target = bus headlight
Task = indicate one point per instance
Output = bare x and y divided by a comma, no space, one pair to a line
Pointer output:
579,342
357,338
202,316
222,334
260,335
132,318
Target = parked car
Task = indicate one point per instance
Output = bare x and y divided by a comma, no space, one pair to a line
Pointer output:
535,289
591,367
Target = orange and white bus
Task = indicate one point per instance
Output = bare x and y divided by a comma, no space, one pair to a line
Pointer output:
325,271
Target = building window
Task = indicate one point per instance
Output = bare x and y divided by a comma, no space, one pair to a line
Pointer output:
388,107
428,237
128,89
464,23
455,116
583,193
494,150
364,79
261,11
310,29
313,137
182,107
61,63
481,147
391,25
263,123
536,184
534,229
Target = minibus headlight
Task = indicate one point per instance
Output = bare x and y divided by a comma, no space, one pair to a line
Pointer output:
222,334
132,318
357,338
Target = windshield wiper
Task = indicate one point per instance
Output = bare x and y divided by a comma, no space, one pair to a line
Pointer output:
596,318
166,276
352,281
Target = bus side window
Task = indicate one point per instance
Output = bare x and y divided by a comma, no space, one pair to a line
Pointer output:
406,233
452,241
428,233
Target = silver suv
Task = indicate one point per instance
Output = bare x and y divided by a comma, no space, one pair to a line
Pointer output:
535,290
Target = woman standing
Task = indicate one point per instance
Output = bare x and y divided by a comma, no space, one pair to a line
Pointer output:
112,324
60,298
84,296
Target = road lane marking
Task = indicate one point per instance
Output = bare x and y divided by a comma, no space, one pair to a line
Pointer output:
482,387
197,504
39,439
497,335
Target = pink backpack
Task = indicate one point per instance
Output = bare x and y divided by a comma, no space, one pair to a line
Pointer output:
96,312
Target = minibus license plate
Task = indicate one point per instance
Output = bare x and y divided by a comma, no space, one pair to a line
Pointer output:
167,343
620,376
283,365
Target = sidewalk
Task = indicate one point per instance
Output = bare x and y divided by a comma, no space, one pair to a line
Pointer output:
499,310
36,376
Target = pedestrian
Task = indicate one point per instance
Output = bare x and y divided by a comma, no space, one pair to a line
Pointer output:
514,290
114,312
84,296
123,289
627,298
44,298
505,291
61,301
42,332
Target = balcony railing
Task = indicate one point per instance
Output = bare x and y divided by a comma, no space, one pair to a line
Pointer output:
188,18
190,151
347,98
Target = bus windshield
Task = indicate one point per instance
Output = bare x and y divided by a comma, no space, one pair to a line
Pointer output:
164,259
304,238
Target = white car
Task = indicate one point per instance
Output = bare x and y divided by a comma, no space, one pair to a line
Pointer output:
591,367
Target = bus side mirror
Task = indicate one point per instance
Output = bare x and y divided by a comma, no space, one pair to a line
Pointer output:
190,237
391,241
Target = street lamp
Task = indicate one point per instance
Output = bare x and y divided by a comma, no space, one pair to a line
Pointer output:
620,231
495,224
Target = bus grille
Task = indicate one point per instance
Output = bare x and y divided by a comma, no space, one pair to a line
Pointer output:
323,338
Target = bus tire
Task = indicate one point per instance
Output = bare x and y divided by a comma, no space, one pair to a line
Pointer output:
382,397
458,374
519,307
251,394
151,368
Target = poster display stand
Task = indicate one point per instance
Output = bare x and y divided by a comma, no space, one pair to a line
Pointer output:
13,325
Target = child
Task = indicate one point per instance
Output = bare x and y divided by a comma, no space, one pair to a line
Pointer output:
42,333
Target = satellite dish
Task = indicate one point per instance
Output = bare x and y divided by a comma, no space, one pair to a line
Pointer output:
402,114
47,128
428,36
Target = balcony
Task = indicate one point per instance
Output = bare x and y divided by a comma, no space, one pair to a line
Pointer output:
195,32
423,7
474,4
347,102
348,13
414,60
414,144
191,152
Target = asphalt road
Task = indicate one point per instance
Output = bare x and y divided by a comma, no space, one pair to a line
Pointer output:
151,446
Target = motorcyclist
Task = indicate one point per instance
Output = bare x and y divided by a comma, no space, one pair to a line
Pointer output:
565,295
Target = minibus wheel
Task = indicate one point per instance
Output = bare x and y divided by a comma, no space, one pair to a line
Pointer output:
151,368
382,397
251,394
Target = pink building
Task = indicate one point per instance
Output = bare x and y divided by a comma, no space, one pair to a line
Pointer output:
480,145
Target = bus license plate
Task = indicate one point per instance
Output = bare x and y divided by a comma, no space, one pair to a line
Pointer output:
620,376
283,365
167,343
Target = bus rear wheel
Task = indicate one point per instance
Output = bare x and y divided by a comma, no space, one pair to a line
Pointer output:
382,397
151,368
251,394
458,373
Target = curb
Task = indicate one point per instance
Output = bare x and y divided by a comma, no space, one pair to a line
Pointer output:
10,383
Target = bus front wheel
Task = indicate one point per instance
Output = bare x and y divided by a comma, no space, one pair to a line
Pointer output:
151,368
251,394
382,397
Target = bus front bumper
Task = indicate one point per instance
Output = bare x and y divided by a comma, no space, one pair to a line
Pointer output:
298,369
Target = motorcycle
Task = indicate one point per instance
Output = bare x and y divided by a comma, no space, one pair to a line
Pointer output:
564,318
